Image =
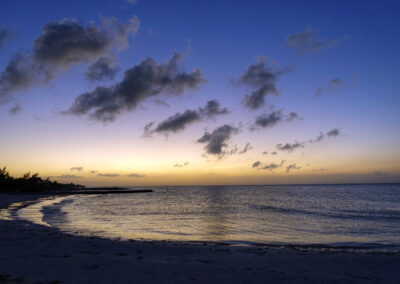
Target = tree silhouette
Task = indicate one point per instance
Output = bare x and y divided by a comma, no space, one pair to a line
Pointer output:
31,183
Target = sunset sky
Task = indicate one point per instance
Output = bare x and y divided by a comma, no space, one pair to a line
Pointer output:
200,92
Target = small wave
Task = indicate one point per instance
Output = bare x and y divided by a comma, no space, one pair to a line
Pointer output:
34,212
376,215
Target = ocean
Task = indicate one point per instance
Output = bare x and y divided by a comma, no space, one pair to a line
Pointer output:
353,216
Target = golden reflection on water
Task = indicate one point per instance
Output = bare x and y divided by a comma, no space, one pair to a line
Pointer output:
33,213
216,223
7,213
211,215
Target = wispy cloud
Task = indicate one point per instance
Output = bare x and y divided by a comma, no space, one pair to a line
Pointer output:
246,148
292,167
308,41
181,165
380,173
334,85
133,2
15,109
4,34
236,150
272,153
290,147
134,175
317,139
78,169
108,175
67,176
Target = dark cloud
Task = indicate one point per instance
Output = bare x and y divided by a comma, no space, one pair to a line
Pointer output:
15,109
60,45
212,109
180,121
65,42
289,147
256,164
263,79
108,175
94,172
332,86
269,120
4,34
272,119
333,133
21,73
217,140
308,41
136,176
146,80
181,165
292,167
78,169
102,69
272,166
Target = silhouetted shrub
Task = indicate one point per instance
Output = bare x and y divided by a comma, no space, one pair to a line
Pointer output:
31,183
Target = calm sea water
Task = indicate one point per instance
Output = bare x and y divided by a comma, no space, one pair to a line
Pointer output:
348,215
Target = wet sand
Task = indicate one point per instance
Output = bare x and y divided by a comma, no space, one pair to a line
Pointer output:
31,253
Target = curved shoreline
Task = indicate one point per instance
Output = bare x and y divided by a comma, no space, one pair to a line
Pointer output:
35,253
37,217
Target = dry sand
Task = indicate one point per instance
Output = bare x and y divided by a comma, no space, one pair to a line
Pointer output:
31,253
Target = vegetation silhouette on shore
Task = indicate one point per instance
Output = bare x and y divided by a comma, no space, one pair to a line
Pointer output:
32,183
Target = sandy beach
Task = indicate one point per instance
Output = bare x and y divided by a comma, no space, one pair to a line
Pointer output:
31,253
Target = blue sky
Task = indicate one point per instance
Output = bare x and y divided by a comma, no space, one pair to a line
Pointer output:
222,39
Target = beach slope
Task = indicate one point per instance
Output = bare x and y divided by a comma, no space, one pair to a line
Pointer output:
31,253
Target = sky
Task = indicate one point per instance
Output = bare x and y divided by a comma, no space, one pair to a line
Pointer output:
146,92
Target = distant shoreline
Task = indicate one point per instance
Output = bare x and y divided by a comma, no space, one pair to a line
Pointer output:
98,190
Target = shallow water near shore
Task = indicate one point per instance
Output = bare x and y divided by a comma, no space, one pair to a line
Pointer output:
353,216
